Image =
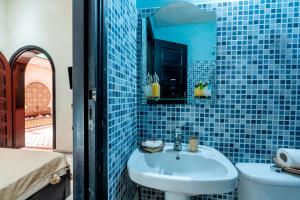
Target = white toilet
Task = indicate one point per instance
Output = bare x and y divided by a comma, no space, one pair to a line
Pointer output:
259,182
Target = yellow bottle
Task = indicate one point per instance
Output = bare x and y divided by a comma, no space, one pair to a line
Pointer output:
198,92
155,87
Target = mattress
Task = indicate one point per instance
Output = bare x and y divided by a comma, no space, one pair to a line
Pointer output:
24,172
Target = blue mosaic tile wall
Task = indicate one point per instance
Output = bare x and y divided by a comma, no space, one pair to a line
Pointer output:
121,17
257,108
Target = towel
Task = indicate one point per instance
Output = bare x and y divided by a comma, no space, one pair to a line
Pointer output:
289,157
152,143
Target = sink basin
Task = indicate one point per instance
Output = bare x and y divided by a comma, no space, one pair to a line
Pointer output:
205,172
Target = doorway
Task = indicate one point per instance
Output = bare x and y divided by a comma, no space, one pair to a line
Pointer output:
33,99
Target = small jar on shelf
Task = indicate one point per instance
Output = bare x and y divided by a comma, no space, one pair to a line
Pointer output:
201,90
148,86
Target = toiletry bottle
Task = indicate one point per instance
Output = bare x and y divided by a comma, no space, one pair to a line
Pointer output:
148,86
193,144
198,91
155,87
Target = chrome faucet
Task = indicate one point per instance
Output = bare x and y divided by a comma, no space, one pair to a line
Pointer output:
177,139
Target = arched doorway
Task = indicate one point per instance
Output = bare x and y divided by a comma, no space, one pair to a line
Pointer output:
40,106
5,103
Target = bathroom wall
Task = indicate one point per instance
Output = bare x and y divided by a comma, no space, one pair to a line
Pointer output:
257,109
121,18
47,24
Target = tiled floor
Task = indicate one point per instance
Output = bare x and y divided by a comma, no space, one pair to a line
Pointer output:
39,137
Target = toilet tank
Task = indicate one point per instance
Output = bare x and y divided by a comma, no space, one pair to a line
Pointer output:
258,182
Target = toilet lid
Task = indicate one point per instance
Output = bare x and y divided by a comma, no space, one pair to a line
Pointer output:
262,173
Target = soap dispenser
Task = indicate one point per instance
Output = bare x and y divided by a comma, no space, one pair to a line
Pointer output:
148,86
155,87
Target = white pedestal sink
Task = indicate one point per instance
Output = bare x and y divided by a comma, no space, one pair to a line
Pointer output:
205,172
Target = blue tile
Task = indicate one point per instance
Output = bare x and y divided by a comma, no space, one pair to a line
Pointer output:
121,24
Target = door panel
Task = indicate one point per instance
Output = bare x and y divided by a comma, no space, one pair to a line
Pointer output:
171,66
89,162
89,104
5,104
18,94
18,65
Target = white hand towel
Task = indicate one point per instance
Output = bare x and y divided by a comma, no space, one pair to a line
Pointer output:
153,143
289,157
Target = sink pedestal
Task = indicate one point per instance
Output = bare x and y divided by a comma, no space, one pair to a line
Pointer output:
176,196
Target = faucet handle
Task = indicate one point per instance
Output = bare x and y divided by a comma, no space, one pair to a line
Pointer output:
177,133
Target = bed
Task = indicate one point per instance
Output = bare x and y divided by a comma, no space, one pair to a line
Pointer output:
33,175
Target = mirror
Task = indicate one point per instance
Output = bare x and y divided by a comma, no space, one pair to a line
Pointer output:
178,54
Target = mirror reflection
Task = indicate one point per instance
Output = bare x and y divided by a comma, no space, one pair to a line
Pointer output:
178,53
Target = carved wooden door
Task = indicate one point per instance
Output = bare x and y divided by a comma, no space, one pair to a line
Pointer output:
5,104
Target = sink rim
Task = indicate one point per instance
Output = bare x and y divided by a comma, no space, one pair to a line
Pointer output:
155,180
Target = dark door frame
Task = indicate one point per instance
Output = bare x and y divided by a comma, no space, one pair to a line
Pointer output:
89,100
13,61
8,113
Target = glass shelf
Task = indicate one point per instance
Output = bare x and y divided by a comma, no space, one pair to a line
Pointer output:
202,97
176,99
165,99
